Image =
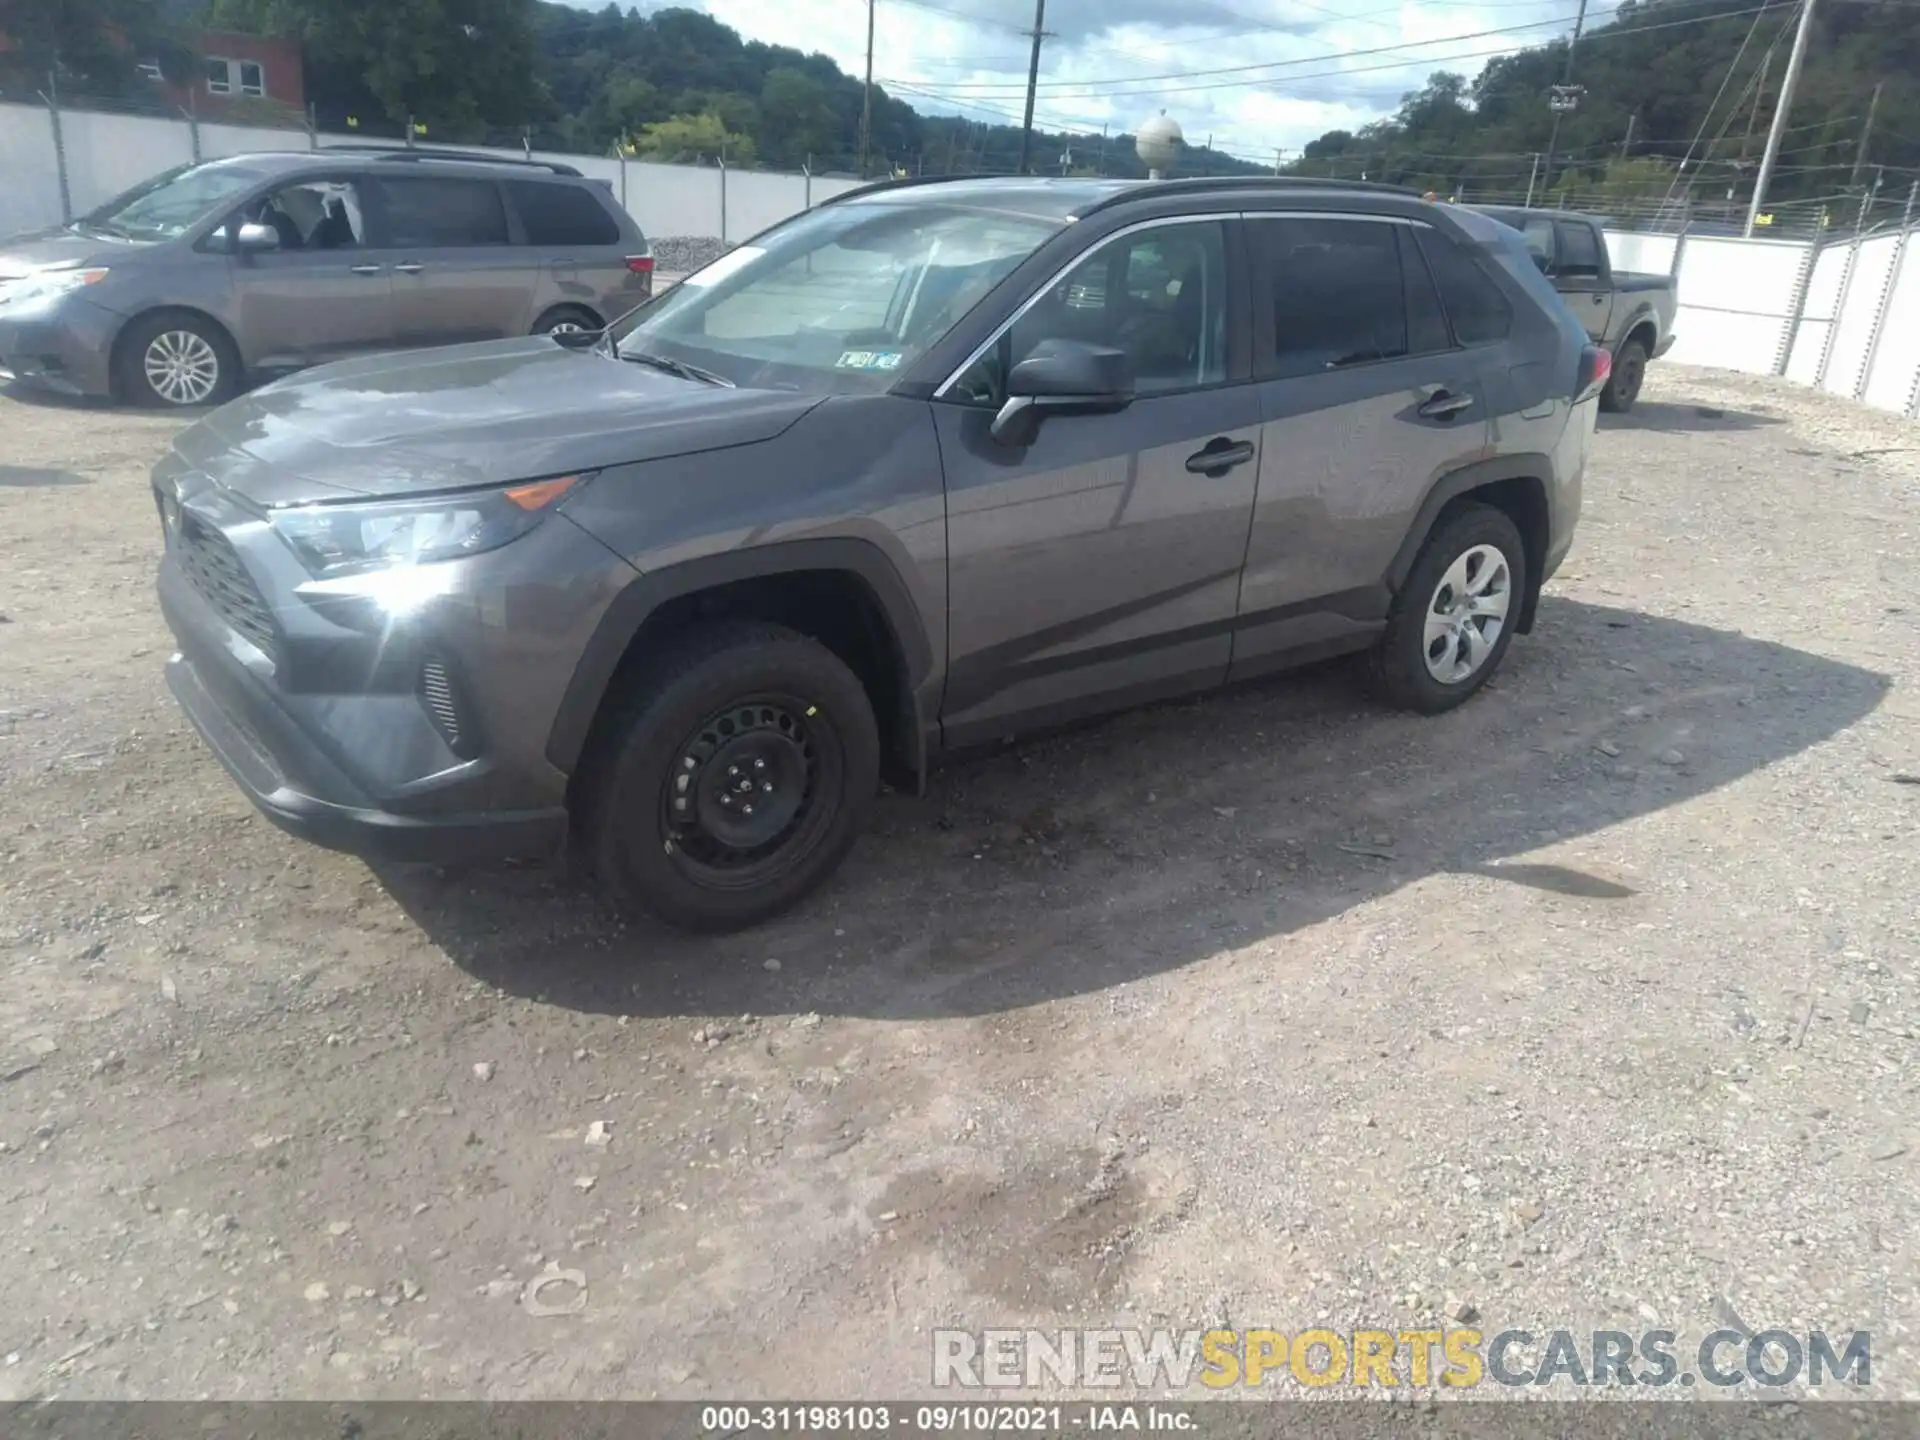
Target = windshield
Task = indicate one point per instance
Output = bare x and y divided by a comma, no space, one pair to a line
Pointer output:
171,202
841,299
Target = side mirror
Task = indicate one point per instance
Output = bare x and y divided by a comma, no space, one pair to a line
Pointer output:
254,237
1062,377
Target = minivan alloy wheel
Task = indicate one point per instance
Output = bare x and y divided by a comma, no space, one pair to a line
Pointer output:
1467,613
181,367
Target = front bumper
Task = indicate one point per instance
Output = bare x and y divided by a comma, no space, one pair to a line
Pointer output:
66,347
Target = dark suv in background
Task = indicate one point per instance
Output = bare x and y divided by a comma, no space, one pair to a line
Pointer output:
175,292
931,464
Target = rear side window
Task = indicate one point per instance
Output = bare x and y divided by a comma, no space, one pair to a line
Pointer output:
1342,295
1480,311
561,214
440,211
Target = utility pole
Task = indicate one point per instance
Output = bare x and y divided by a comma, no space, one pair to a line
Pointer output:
1779,127
866,98
1566,85
1033,80
1532,176
1278,154
1103,152
1627,144
1759,94
1866,134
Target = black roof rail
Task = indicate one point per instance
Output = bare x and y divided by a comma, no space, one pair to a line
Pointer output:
418,153
874,186
1202,184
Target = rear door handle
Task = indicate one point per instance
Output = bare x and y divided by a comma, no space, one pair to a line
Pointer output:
1445,405
364,269
1217,457
408,267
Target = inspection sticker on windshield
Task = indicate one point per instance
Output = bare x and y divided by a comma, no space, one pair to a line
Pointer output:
869,360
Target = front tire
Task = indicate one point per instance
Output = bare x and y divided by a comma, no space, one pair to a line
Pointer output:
1452,621
177,361
734,778
1629,373
567,320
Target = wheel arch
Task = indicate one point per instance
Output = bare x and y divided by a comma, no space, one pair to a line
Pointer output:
1512,484
844,592
1644,327
117,351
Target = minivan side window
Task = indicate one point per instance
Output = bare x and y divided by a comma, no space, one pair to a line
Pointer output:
561,214
1480,312
1341,295
437,211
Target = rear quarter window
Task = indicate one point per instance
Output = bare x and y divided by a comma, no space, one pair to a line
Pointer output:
562,214
1475,303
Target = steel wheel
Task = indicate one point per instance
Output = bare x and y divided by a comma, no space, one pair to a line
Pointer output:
744,800
1467,614
181,367
566,327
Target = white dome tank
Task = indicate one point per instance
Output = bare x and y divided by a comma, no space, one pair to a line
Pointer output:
1158,145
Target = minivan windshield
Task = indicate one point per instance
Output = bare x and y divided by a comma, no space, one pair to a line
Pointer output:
169,204
840,299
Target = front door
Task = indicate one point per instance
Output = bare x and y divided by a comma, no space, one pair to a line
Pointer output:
1366,402
1100,565
1580,275
322,294
457,276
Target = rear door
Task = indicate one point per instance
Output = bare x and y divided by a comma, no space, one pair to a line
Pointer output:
1366,400
577,246
457,276
1580,274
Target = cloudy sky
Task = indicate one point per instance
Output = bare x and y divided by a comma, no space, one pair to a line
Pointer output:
1254,74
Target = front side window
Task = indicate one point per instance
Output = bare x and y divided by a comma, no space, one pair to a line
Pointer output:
169,204
1339,294
434,211
1159,295
313,215
841,299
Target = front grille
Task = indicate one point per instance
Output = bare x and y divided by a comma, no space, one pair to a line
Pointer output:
436,691
214,567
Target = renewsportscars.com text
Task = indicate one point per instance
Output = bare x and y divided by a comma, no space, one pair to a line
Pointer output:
1375,1359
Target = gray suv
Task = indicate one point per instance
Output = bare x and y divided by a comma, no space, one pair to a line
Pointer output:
178,290
928,465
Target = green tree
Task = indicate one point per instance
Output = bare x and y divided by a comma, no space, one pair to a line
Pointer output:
694,137
93,45
796,121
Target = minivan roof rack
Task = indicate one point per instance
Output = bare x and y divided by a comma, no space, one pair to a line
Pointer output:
418,153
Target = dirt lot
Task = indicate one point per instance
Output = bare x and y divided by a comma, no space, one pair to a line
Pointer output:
1594,1004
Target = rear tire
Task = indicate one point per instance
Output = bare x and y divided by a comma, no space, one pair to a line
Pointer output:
1629,373
733,779
177,361
1451,623
567,319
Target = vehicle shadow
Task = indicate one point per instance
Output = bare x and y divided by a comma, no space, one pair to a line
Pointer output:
1077,862
1666,418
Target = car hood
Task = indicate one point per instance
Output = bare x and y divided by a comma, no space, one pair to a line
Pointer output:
468,415
59,249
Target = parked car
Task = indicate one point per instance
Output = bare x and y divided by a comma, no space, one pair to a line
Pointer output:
822,515
176,292
1630,314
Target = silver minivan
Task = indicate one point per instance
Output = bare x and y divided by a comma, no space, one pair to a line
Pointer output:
182,289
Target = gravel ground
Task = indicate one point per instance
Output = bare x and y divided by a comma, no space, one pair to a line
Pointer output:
686,253
1592,1005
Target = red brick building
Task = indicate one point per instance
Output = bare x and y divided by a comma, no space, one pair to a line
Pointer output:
239,76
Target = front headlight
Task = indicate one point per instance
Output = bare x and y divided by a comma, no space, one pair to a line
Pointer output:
354,537
45,284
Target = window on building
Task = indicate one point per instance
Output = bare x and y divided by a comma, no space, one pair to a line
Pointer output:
219,76
150,69
253,80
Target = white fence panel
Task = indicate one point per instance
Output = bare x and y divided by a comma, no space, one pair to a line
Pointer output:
1818,314
1896,364
756,200
217,142
1736,299
1647,254
1872,269
674,199
29,174
109,154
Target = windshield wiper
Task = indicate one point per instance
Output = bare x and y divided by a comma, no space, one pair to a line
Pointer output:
676,367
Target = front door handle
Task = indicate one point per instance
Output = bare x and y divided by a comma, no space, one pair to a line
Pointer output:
1217,457
1597,298
1445,405
364,269
408,267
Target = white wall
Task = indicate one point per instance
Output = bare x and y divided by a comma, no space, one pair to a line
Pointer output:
1894,383
29,176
